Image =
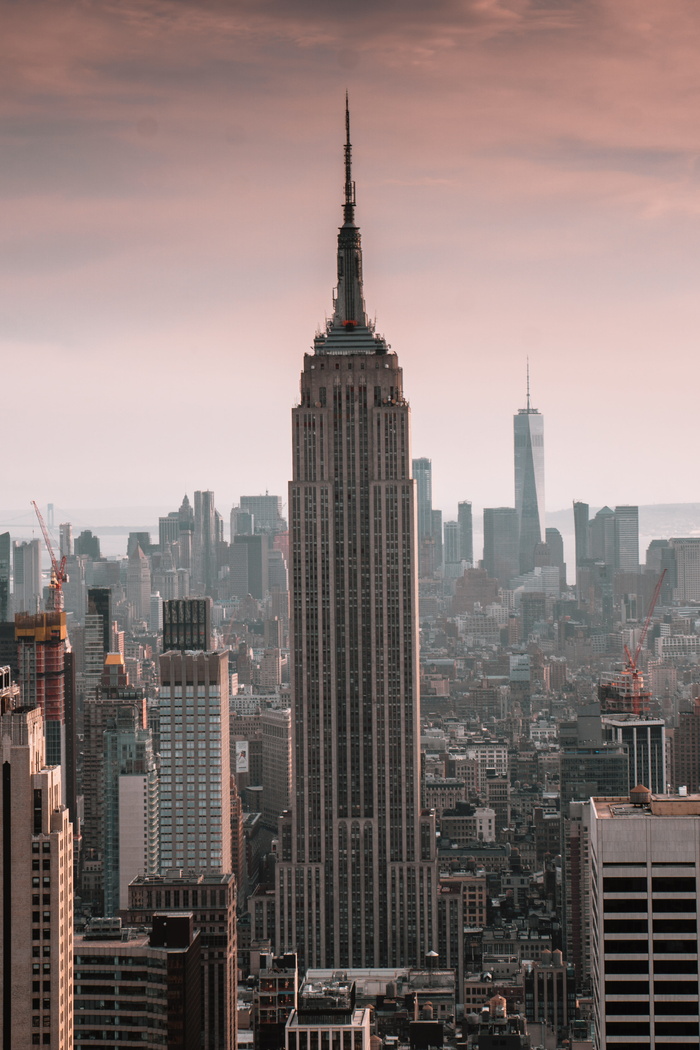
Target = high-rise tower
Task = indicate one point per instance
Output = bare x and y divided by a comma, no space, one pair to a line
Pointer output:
356,875
528,441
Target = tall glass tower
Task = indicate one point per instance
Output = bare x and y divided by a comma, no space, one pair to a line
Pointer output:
528,441
356,868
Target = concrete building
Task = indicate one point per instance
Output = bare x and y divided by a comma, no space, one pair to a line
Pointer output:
275,999
36,878
211,899
644,852
356,871
161,1007
195,803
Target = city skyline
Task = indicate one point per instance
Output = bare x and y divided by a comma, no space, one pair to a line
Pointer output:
508,219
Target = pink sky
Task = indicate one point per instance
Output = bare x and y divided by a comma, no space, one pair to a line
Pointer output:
527,183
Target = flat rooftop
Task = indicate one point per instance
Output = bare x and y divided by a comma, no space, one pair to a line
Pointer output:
657,806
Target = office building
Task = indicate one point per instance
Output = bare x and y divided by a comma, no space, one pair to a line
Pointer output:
466,533
686,566
187,624
627,539
27,587
205,543
501,552
356,868
528,446
211,899
138,583
99,603
581,513
645,741
423,475
643,872
5,573
276,732
550,992
265,512
130,787
36,878
65,533
249,563
601,537
168,531
453,546
159,1008
195,804
685,751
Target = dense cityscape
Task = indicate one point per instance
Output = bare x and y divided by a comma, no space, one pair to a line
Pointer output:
336,780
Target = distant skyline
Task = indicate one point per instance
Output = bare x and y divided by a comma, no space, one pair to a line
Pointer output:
528,184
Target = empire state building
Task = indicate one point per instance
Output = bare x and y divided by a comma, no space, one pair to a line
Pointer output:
356,863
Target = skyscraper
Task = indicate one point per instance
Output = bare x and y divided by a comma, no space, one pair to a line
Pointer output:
501,543
27,577
36,864
528,442
464,517
356,874
195,805
627,539
5,561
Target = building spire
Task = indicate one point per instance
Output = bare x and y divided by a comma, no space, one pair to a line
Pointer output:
349,203
528,383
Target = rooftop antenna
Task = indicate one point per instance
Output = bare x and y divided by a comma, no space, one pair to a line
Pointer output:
349,203
528,383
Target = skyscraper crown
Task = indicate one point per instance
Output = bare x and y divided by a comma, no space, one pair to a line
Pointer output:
349,331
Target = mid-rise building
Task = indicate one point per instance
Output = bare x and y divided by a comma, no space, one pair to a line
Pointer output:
195,804
327,1016
161,1007
211,899
36,879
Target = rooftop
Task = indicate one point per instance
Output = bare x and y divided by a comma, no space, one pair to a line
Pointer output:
658,806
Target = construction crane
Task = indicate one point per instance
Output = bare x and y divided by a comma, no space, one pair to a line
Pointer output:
58,569
631,668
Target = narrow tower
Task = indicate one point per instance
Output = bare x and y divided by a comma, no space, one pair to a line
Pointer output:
528,440
356,874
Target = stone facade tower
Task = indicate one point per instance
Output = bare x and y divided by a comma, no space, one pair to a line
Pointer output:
356,871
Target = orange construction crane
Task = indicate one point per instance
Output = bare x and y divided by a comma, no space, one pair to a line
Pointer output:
636,679
58,569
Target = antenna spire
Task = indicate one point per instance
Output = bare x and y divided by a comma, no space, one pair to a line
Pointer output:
349,202
528,384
